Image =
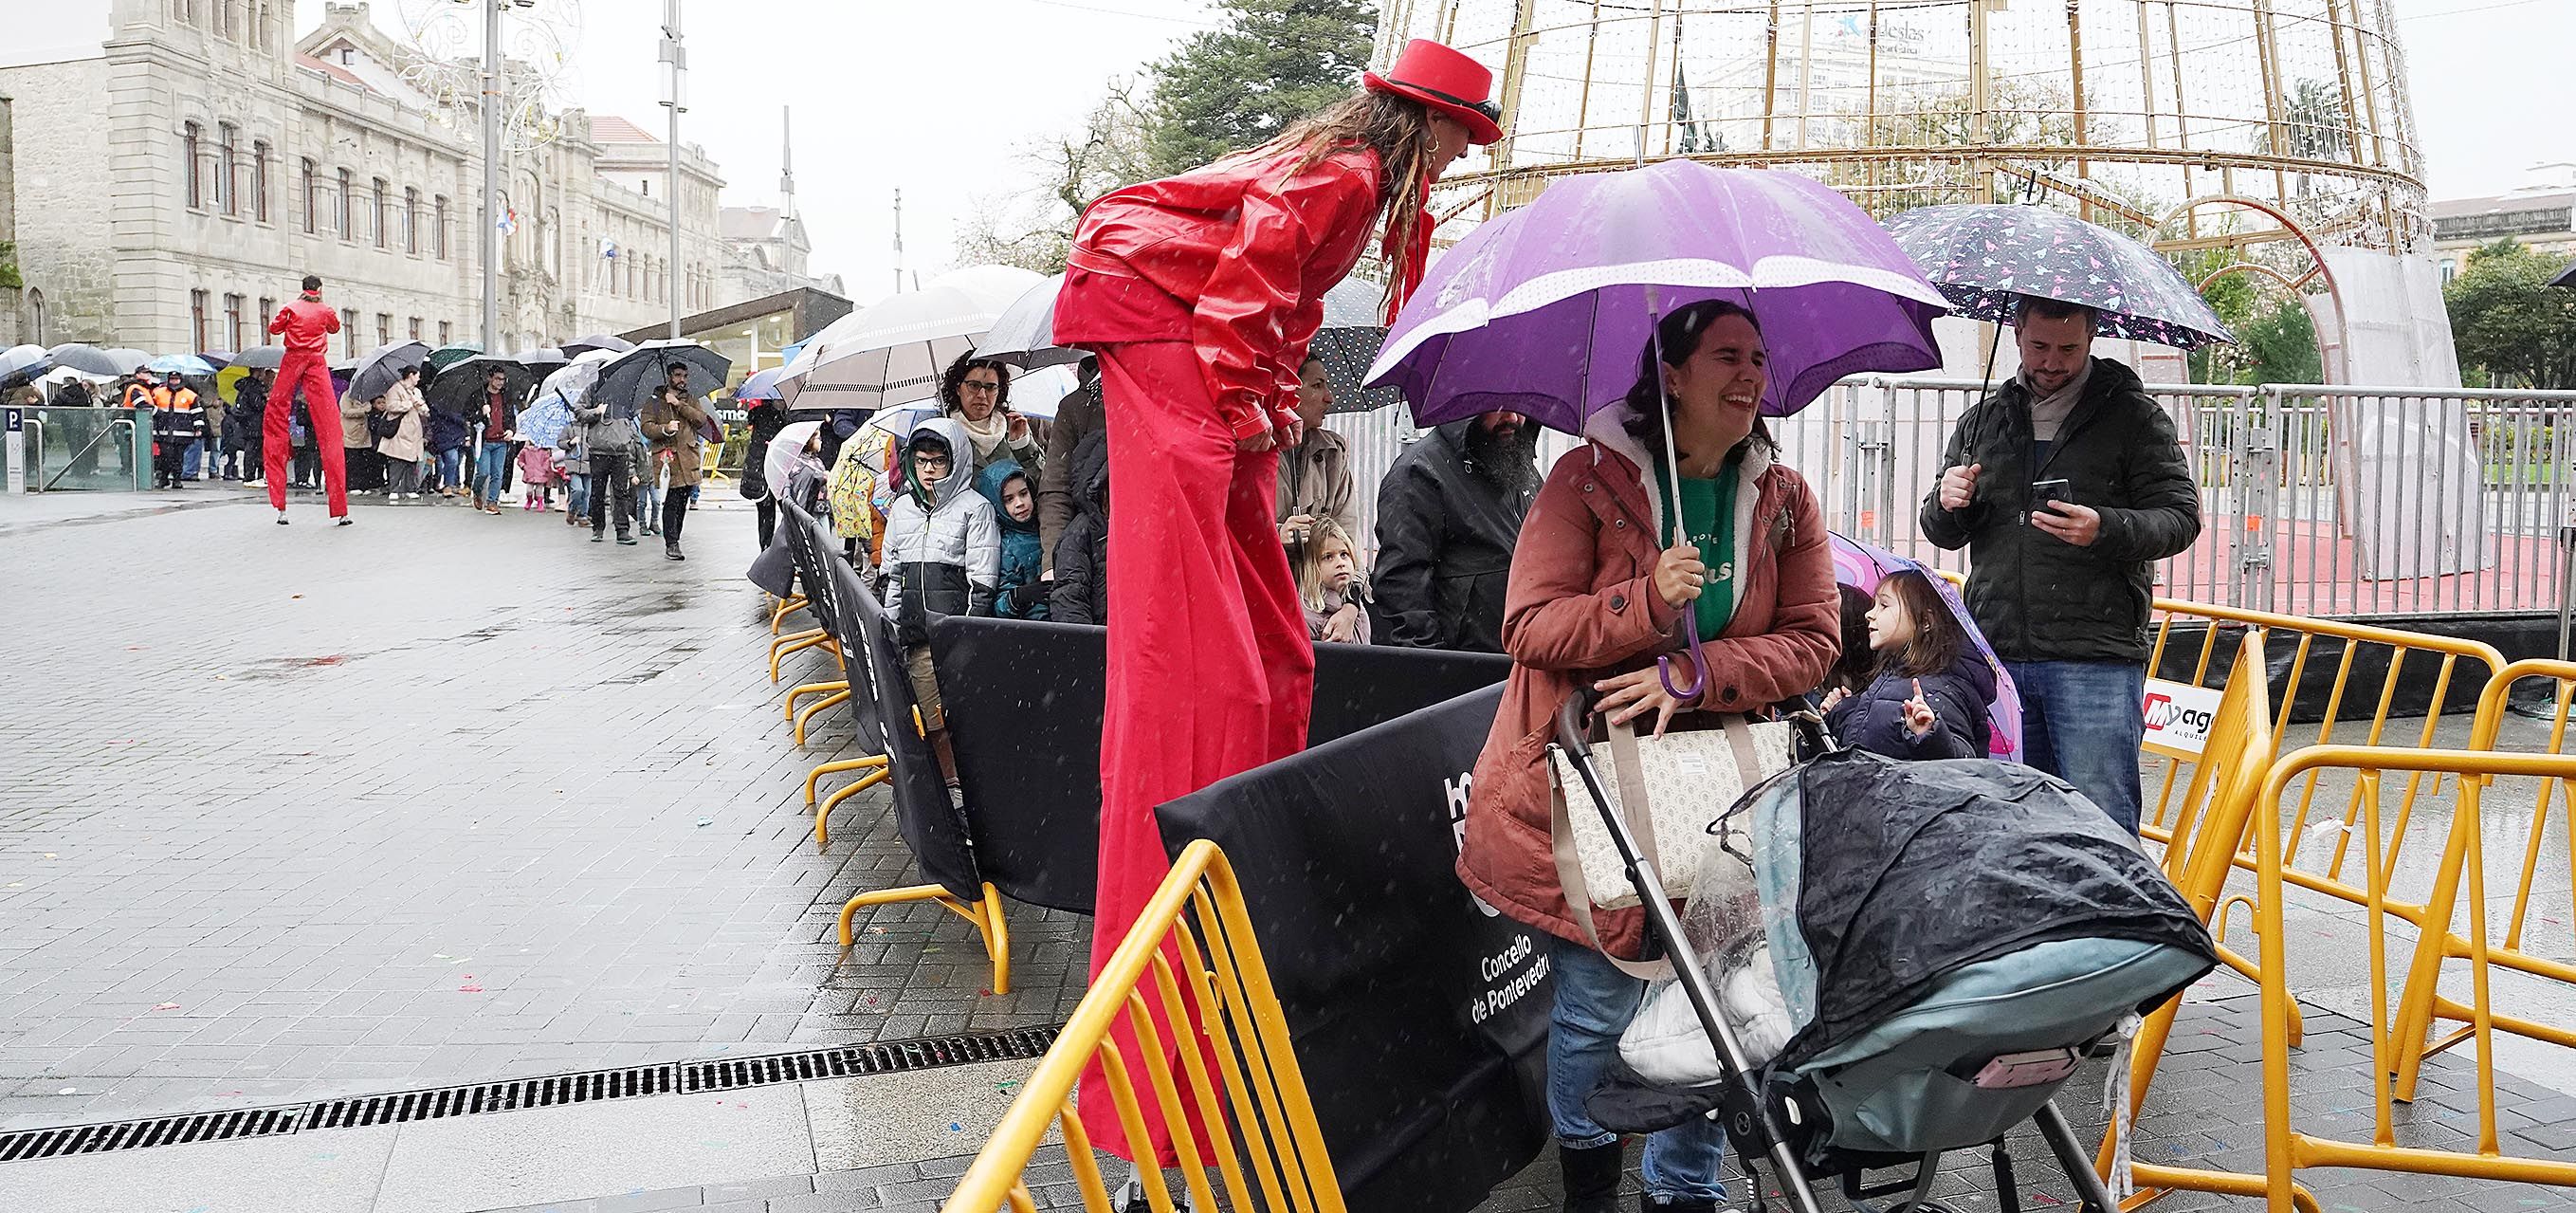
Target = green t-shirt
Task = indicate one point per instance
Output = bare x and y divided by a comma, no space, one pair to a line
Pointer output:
1708,510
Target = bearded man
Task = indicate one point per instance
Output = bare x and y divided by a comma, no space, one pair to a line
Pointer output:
1448,515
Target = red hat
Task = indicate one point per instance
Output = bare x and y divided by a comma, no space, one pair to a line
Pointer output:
1446,80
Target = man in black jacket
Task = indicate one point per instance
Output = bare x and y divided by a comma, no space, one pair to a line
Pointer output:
1448,516
2068,485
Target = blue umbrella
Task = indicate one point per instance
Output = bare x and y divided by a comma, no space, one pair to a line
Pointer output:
184,364
763,385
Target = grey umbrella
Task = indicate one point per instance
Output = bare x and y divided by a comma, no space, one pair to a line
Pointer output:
2566,277
542,359
128,359
383,367
596,341
20,364
1353,329
626,383
89,360
1025,335
262,358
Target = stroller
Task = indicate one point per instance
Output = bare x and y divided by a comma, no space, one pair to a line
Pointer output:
1916,1033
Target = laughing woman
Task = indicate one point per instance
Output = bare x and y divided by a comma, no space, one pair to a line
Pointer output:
1603,584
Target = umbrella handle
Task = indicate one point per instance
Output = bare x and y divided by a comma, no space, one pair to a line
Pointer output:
1699,668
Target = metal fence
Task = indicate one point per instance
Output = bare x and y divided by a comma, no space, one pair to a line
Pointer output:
2321,501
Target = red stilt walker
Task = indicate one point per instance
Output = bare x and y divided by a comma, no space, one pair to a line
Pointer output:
307,326
1199,293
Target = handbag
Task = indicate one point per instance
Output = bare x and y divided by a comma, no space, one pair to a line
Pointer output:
381,424
1668,790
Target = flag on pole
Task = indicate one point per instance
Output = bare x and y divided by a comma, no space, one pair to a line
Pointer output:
509,220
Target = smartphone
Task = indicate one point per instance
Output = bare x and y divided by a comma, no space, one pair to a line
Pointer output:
2045,493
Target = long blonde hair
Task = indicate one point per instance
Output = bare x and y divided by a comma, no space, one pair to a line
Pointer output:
1310,560
1398,129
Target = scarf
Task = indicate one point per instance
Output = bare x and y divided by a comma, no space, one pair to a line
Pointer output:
987,435
2048,413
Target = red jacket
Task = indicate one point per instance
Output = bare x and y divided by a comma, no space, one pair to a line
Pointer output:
1243,253
1583,606
308,326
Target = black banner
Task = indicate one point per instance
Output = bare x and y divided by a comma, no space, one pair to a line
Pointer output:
881,707
1024,703
1419,1014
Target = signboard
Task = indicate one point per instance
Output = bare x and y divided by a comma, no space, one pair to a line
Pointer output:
15,450
2179,717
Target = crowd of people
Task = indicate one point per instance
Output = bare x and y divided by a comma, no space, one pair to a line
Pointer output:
1673,566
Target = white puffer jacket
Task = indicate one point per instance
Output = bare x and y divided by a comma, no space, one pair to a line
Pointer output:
947,559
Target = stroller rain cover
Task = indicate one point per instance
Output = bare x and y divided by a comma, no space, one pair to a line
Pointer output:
1911,870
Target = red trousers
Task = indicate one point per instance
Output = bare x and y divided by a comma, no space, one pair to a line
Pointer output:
1211,672
312,375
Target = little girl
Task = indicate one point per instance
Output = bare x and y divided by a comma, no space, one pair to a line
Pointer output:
537,476
1328,581
1932,688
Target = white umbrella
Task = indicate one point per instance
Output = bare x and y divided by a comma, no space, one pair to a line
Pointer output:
1024,336
893,353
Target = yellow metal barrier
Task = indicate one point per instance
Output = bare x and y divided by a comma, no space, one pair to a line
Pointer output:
1194,936
2423,1002
2286,1150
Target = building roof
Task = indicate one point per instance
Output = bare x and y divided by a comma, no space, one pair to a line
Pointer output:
2536,200
747,222
609,128
333,70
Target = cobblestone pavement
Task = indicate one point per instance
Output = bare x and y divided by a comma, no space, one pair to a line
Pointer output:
2204,1111
294,812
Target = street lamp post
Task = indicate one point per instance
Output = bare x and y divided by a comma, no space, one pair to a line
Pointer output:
675,96
491,175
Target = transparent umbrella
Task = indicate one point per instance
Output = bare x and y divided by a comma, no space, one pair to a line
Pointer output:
894,353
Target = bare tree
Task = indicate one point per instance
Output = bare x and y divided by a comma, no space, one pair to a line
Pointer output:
1032,227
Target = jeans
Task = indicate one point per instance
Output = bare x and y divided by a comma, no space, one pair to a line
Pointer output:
491,467
451,463
1594,1002
194,459
610,489
648,504
2081,721
577,493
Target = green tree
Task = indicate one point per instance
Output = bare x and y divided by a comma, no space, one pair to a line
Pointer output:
2508,322
1270,63
1033,229
9,279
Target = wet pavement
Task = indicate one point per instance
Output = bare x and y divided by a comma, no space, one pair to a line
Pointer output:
303,812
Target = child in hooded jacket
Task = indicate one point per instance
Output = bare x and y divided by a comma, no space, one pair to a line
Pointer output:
1932,689
943,556
1021,593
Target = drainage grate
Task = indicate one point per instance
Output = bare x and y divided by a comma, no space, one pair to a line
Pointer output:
668,1078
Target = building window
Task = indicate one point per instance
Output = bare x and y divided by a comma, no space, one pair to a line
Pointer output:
197,320
227,168
415,328
442,332
348,332
383,229
192,136
438,233
267,310
346,189
36,305
259,180
411,221
312,199
233,322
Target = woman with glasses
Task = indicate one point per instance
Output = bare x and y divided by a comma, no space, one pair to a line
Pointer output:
977,392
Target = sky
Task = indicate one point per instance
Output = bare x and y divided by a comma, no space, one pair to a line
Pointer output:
941,98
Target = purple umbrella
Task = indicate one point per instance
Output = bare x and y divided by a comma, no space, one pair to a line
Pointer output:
1862,566
763,385
1544,311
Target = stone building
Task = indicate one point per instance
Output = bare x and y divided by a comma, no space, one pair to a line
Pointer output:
16,317
182,163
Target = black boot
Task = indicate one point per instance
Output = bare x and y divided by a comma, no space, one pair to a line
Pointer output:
1592,1177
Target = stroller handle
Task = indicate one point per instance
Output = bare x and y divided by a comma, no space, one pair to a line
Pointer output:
1572,728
